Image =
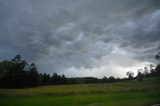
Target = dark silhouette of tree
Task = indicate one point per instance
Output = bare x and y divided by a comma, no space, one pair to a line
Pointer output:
130,74
4,66
111,79
46,79
14,75
157,70
151,66
17,59
157,57
104,79
63,79
54,78
140,75
17,73
146,72
33,76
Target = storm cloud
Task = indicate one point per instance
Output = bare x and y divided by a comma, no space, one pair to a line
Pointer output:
81,37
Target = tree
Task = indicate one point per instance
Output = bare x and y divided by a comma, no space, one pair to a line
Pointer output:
13,74
157,70
5,74
130,74
33,77
157,57
54,78
146,72
104,79
3,68
111,79
63,79
17,59
151,67
46,79
140,75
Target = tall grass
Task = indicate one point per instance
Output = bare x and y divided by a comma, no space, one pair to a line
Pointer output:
127,93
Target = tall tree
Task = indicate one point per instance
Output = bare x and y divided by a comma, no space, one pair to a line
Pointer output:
46,79
33,76
140,75
130,74
157,56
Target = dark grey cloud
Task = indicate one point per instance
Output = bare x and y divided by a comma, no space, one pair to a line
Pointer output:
81,37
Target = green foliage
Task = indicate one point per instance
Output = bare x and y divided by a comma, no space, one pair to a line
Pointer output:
14,75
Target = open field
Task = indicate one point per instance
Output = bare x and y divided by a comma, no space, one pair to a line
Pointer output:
127,93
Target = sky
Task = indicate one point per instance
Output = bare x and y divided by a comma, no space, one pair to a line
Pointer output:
81,38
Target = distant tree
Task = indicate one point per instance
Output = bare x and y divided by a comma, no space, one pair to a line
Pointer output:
151,66
140,75
54,78
64,79
17,59
17,73
5,73
157,57
23,64
146,72
104,79
58,81
33,75
130,74
13,73
46,79
3,68
40,79
111,79
157,70
152,70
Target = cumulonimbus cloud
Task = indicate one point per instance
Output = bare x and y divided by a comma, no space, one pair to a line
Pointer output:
81,35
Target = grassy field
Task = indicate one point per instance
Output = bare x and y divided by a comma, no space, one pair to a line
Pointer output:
127,93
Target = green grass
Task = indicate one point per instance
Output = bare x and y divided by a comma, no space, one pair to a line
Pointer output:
127,93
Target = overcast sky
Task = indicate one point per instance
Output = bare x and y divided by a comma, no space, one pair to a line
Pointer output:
81,38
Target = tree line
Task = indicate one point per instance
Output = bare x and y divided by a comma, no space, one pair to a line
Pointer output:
152,71
17,73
